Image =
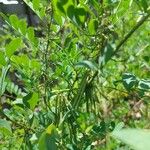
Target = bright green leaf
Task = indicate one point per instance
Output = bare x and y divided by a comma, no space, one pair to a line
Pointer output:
36,4
31,100
22,60
42,12
2,58
5,127
30,34
14,21
60,7
23,26
58,18
13,46
92,26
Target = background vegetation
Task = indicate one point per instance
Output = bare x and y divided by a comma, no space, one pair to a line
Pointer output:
79,80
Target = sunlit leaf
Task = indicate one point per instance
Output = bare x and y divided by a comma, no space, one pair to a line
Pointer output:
14,21
36,4
2,58
5,127
30,34
42,12
13,46
31,100
22,26
92,26
60,7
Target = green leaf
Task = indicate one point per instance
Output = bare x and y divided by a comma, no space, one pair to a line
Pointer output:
92,26
95,3
106,54
57,14
36,4
2,58
80,14
64,2
138,139
2,79
60,7
16,113
35,65
5,127
71,12
47,140
13,46
121,9
144,4
12,88
31,100
88,64
129,81
14,21
57,11
22,60
30,34
58,18
42,12
144,85
23,27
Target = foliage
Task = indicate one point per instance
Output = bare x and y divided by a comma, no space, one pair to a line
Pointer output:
138,139
73,86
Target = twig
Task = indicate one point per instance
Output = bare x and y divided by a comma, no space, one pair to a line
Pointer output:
122,42
143,19
46,63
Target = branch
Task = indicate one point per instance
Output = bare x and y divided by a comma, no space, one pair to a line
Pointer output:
143,19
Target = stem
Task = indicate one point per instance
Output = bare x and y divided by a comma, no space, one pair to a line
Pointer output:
122,42
46,88
143,19
46,66
81,90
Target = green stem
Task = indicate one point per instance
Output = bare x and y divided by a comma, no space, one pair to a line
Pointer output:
81,90
124,40
46,61
143,19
